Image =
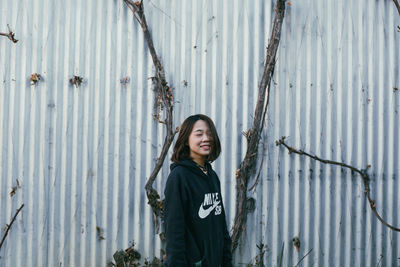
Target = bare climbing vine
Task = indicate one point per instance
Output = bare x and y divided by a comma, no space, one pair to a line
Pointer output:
253,135
164,100
362,172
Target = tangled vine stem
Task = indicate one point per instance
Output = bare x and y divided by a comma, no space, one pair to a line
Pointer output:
362,172
396,2
8,226
247,166
10,35
164,94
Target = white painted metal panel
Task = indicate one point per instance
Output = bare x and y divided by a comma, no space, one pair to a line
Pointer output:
82,154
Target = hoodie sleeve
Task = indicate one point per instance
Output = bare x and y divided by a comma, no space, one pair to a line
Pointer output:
175,223
227,250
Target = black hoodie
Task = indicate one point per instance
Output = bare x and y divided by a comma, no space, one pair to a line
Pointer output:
195,225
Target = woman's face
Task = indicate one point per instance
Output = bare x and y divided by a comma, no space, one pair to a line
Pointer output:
200,142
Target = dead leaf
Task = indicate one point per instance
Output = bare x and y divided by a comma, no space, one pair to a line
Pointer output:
12,193
35,78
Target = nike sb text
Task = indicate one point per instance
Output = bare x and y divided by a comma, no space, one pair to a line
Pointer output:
213,200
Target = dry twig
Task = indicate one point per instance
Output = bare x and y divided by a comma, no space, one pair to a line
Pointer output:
8,226
247,166
99,233
362,172
396,2
164,93
303,258
10,35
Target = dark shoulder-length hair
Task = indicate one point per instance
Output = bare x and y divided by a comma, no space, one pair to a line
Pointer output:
181,148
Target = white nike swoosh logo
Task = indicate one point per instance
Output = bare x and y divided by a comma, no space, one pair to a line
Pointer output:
204,213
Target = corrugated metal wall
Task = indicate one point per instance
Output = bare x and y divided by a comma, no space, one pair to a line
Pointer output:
81,155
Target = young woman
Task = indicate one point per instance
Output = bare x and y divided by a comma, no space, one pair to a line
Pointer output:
195,226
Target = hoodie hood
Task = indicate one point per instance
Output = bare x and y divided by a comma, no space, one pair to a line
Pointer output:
190,164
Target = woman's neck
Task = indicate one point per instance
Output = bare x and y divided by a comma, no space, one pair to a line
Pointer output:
199,161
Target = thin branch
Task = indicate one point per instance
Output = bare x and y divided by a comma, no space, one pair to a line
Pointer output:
162,11
10,35
165,99
9,225
138,12
247,166
301,152
281,255
362,172
303,258
379,262
396,2
397,5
